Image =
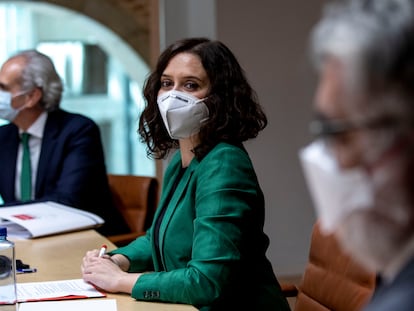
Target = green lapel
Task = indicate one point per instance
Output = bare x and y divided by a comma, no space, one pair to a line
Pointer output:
179,192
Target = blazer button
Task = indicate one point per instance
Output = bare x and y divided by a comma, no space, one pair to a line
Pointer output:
151,294
156,294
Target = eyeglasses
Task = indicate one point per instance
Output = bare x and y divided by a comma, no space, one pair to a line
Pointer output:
322,127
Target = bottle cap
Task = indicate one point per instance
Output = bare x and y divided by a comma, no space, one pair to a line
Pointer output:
3,231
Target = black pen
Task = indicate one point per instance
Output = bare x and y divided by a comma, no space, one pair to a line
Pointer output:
27,270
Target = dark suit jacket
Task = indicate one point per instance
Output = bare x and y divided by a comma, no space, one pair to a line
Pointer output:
211,240
71,167
397,295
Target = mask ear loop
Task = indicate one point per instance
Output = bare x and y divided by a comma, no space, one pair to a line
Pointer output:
20,94
201,100
399,145
15,96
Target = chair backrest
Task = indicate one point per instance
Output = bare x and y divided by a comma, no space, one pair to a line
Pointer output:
136,197
332,280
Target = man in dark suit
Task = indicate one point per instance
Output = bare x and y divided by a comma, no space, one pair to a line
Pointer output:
363,161
66,156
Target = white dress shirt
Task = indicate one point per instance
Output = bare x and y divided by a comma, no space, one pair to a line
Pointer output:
35,145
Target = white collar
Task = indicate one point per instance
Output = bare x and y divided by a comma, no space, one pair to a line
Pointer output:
38,126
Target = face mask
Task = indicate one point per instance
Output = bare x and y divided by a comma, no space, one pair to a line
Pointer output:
7,112
336,193
182,113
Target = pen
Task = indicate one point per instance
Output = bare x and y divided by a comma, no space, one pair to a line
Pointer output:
102,251
26,270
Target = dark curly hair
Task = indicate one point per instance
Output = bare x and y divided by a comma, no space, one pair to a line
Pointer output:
235,114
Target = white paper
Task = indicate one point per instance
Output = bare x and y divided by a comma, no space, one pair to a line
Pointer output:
45,218
70,305
66,289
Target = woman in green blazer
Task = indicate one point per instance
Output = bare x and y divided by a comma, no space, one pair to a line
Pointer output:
206,246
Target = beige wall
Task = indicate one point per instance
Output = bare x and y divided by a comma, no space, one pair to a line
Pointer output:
270,38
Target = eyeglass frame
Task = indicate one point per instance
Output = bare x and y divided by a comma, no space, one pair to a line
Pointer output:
322,127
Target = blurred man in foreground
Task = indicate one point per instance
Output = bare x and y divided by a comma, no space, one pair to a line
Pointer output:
361,170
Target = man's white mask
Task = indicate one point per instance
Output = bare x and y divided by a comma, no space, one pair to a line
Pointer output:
7,112
336,193
182,113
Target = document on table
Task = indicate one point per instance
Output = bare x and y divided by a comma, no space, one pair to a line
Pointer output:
33,220
78,305
56,290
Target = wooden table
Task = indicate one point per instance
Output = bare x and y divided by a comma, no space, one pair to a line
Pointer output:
59,258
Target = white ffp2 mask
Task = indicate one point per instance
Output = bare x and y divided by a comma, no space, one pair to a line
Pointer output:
336,193
182,113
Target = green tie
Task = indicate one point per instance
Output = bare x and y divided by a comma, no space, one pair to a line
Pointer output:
26,175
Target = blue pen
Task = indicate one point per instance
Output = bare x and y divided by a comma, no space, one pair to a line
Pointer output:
27,270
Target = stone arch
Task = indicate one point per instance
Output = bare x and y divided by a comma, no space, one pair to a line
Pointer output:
135,21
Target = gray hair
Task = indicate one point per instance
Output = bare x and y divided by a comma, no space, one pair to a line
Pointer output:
374,40
39,72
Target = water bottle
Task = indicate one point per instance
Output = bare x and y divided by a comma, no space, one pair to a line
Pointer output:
8,294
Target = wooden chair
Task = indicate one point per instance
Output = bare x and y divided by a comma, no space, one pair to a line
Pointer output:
136,198
332,280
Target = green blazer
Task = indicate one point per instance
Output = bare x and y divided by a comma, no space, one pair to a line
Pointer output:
211,240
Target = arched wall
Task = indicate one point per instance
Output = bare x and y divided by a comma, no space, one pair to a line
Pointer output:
135,21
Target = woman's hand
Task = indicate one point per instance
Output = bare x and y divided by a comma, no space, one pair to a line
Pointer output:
106,273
